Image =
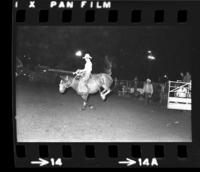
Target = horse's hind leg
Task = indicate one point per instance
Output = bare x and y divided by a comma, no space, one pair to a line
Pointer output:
105,93
102,94
106,87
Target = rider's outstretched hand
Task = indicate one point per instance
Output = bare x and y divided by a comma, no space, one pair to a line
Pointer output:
76,72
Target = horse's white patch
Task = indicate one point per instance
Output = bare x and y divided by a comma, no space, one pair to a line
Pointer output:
62,87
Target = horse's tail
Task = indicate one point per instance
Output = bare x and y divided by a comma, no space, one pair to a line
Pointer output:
108,69
109,72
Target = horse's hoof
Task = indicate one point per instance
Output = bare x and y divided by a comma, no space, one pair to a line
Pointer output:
83,108
91,107
103,98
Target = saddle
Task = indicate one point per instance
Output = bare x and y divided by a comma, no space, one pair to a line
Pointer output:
78,77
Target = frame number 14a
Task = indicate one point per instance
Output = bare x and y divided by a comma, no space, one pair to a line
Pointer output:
141,162
148,162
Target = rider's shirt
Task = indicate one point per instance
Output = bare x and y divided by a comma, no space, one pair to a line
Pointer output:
88,66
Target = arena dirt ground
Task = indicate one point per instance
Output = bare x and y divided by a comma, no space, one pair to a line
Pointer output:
45,115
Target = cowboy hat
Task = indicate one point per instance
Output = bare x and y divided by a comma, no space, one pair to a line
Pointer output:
148,80
87,56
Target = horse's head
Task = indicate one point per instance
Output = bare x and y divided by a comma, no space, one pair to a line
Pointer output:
65,83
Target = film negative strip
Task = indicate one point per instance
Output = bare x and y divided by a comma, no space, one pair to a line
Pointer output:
105,84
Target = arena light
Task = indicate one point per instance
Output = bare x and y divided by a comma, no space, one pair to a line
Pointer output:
150,57
78,53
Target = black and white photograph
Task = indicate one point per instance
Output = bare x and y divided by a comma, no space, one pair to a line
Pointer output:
103,84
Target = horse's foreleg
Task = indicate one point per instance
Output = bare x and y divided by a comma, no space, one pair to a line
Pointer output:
85,97
84,103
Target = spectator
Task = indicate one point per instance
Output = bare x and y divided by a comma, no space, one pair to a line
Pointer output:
181,77
116,85
181,92
135,86
115,82
162,92
187,77
148,90
19,63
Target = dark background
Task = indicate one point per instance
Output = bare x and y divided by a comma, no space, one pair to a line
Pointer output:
126,47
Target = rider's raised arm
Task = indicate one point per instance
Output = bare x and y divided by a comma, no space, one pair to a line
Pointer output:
81,70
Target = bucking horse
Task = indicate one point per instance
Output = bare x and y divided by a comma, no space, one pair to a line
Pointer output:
97,83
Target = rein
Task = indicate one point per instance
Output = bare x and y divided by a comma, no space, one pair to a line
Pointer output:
73,80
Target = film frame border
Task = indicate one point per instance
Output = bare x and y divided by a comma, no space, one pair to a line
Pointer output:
173,154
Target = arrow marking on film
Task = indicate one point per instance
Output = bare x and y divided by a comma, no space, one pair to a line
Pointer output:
41,162
128,161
